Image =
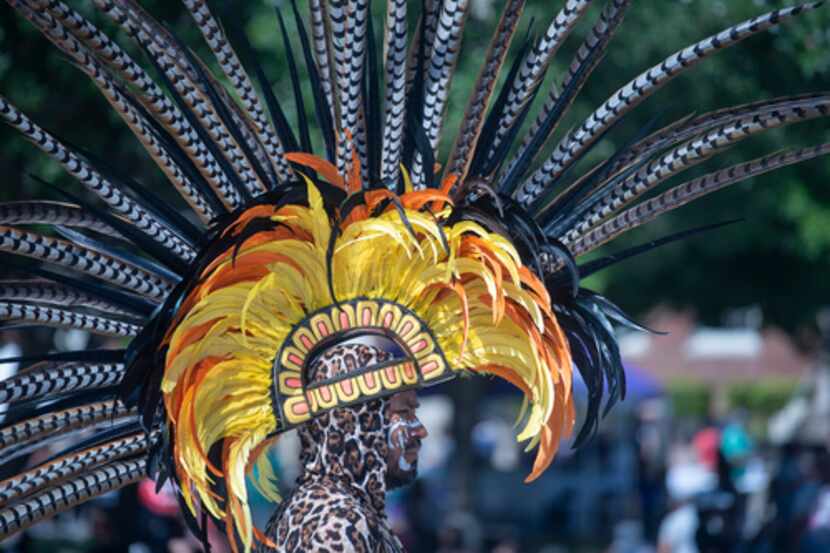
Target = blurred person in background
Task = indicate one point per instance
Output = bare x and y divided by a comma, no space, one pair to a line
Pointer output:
687,478
816,534
460,533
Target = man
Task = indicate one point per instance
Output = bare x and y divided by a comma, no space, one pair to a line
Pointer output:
351,457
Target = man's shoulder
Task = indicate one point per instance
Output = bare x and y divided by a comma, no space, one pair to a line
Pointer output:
324,518
319,499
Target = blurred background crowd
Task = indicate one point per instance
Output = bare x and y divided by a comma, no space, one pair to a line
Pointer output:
723,441
729,463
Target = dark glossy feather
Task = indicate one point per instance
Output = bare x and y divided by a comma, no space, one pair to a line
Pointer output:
588,269
322,108
299,104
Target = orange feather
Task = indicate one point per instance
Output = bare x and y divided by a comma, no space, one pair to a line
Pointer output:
325,168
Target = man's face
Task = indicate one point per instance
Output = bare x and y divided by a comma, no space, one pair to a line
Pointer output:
405,435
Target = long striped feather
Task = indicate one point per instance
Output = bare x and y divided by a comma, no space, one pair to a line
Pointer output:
349,34
637,90
236,122
53,293
568,203
113,250
535,65
474,116
70,493
179,73
682,194
115,95
323,51
70,465
440,70
152,98
84,260
357,56
67,318
51,213
585,60
241,82
395,98
95,182
423,40
690,126
56,378
33,430
695,151
107,298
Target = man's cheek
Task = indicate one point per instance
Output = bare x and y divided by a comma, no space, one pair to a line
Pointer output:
399,437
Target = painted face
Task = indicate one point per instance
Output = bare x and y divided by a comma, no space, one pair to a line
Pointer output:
405,435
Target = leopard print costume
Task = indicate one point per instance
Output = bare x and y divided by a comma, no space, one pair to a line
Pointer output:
339,502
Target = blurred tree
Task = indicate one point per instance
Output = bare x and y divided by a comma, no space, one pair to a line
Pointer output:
777,257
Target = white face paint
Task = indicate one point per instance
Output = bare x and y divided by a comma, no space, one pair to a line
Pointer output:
404,435
400,435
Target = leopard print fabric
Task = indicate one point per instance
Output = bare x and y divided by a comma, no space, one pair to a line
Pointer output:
339,501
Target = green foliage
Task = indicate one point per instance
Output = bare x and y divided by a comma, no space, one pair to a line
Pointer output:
762,398
778,257
690,400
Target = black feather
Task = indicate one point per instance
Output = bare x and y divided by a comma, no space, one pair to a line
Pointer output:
372,108
415,96
283,127
587,269
47,404
566,279
172,149
558,226
204,136
566,207
125,300
586,360
224,114
491,124
520,168
321,104
171,218
117,253
494,163
281,123
80,356
11,454
100,437
609,351
614,313
175,265
396,203
299,104
418,137
541,202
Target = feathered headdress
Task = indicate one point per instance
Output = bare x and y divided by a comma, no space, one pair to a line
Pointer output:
463,266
